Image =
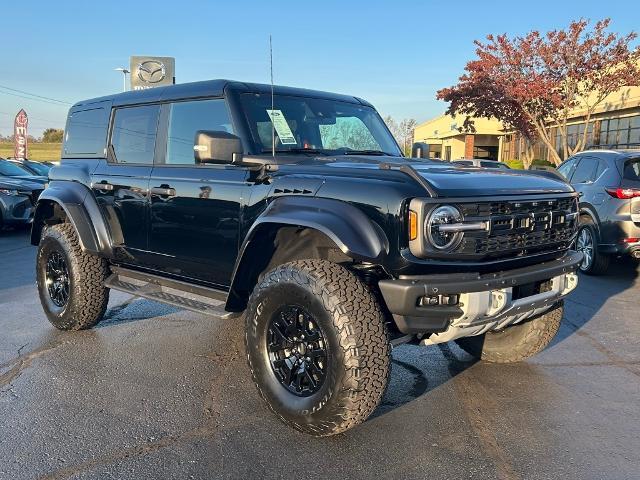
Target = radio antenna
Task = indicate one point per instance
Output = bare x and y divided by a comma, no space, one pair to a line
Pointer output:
273,127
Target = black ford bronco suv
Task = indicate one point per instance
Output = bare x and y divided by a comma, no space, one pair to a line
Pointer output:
297,209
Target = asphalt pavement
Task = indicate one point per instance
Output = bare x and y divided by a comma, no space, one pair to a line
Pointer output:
156,392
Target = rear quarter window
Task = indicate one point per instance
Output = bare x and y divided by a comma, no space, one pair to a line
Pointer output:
86,133
631,173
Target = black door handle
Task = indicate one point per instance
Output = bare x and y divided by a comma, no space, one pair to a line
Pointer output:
163,191
102,186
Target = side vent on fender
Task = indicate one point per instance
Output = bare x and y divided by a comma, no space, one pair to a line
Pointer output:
296,191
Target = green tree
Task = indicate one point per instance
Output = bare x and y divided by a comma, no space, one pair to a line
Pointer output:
52,135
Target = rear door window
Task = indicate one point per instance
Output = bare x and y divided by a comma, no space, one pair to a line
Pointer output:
601,168
133,135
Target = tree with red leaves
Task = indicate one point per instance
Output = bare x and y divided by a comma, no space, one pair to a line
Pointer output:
535,83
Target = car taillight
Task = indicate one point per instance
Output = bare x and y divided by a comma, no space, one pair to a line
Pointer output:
623,193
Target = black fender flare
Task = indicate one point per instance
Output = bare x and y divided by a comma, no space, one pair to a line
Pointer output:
352,231
82,211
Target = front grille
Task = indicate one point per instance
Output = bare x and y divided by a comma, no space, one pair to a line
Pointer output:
518,207
519,228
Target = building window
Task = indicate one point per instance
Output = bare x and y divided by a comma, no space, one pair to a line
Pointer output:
574,134
488,153
620,132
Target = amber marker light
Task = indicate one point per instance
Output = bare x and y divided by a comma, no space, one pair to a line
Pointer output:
413,225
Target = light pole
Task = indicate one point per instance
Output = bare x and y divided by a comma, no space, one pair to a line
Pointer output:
124,77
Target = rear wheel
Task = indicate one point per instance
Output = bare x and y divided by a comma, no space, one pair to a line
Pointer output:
517,342
70,281
593,262
317,346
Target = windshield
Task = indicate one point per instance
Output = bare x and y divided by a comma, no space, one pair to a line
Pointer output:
316,125
39,168
9,169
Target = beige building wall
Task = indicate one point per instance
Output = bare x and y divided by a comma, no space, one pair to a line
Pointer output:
446,141
614,124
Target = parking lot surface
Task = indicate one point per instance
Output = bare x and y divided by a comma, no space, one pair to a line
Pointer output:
158,392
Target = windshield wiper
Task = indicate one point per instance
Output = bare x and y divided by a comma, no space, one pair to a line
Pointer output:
367,152
295,150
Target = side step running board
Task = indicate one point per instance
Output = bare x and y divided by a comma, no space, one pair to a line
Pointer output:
173,292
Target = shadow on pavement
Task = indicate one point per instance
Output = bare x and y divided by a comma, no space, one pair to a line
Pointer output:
416,370
15,252
583,304
135,309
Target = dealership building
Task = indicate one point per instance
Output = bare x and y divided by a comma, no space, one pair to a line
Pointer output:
447,142
615,124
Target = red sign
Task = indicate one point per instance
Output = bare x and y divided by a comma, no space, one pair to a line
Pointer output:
20,135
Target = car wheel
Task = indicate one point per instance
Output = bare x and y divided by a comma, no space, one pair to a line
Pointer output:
317,346
70,281
593,262
517,342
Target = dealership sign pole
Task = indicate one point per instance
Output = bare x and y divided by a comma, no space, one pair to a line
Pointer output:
20,135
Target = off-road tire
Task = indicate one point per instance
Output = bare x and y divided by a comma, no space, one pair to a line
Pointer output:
358,361
88,297
601,261
517,342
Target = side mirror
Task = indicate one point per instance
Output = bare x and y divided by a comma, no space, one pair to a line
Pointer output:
211,146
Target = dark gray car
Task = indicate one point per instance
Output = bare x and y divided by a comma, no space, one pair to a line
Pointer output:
17,200
609,185
10,170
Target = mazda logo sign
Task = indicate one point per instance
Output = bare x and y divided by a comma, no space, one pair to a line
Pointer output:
151,71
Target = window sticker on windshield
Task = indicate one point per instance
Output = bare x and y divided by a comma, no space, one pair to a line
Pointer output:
282,127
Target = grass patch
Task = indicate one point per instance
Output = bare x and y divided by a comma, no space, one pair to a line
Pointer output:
37,151
517,164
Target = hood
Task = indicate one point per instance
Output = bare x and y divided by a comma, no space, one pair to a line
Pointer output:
445,178
449,181
29,179
16,183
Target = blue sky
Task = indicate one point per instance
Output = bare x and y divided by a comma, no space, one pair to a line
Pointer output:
395,54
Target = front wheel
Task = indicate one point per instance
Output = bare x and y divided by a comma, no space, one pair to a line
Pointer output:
317,346
517,342
70,281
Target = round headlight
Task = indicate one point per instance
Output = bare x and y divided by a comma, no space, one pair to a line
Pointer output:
442,215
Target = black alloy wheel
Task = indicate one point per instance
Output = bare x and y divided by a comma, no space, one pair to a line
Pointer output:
297,350
57,279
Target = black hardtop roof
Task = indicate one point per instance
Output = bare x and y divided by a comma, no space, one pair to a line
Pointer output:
209,88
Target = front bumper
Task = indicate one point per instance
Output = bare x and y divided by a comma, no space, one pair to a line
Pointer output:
475,302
